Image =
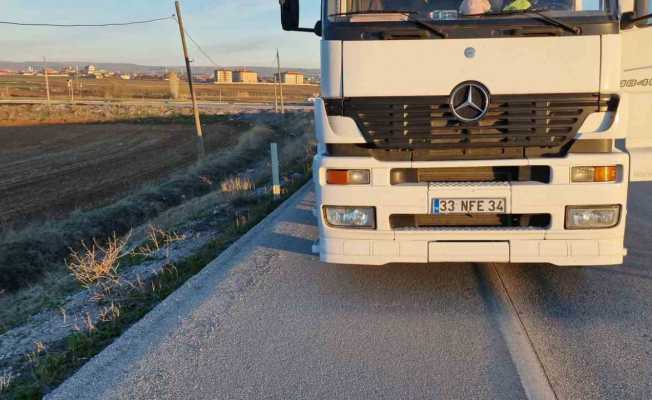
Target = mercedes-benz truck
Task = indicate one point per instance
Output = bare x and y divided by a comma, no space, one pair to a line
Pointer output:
479,130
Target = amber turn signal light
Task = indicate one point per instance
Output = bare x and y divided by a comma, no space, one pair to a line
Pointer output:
348,177
594,174
606,174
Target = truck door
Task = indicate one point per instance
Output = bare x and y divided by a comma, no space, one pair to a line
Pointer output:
636,84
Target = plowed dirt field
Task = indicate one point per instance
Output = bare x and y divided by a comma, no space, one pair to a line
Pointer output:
51,170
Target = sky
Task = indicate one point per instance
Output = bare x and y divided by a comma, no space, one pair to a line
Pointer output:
233,33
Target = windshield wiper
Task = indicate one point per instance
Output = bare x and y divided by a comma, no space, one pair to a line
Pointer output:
349,13
539,13
427,26
408,14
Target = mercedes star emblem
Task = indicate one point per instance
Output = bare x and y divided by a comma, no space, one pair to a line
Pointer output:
469,101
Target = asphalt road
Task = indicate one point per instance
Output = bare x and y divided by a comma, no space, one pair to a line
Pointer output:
267,320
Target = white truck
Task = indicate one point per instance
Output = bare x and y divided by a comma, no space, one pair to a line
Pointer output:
479,130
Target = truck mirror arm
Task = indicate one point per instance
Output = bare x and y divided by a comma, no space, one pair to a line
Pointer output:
629,20
301,30
316,30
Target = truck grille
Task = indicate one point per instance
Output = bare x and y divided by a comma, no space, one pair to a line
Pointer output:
430,221
518,121
530,173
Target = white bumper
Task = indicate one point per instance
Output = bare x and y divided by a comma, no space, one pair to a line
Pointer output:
554,244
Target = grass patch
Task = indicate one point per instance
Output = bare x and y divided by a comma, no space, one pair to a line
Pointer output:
48,368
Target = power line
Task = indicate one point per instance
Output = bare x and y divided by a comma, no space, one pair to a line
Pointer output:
148,21
201,50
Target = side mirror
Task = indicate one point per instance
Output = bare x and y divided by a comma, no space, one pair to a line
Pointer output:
290,17
289,14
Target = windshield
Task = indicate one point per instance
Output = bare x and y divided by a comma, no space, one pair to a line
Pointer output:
434,10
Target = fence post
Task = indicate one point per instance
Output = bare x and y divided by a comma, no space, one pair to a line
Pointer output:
276,179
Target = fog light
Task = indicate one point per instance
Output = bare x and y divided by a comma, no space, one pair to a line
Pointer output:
594,174
352,217
348,177
594,217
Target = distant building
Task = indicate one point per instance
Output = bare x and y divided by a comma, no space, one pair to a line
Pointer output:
223,76
50,71
68,70
90,69
245,76
291,78
125,77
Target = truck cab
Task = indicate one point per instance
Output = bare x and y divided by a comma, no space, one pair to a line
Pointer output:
479,130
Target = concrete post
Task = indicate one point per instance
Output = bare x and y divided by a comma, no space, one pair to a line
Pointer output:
276,177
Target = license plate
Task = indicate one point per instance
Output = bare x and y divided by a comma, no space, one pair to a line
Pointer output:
465,206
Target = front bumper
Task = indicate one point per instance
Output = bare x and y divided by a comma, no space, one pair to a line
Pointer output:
553,244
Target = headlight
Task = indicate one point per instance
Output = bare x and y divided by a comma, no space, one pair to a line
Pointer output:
595,217
351,217
348,177
594,174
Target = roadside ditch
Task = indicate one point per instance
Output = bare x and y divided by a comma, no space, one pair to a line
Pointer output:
148,262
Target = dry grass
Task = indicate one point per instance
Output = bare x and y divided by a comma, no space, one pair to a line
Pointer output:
33,356
238,184
5,380
97,265
157,238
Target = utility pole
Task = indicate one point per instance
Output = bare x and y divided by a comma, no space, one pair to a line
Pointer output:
280,81
200,135
78,81
275,94
71,86
47,81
